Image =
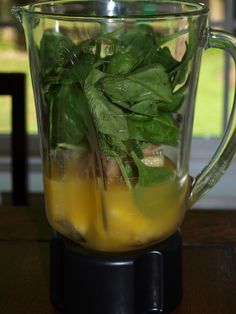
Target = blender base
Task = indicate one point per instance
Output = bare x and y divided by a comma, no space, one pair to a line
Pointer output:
145,281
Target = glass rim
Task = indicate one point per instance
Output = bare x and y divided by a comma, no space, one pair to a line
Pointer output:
198,9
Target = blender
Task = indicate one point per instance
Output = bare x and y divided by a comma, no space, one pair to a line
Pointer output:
115,85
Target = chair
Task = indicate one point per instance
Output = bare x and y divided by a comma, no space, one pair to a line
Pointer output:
14,84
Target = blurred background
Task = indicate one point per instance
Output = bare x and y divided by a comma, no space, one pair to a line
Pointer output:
215,97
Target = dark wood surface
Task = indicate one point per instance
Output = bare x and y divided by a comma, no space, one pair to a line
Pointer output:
209,262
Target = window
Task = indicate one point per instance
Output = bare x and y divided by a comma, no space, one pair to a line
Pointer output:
215,94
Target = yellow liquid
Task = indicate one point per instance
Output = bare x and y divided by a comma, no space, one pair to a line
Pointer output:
109,220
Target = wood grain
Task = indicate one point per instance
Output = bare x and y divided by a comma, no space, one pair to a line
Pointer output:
209,279
23,223
209,226
24,278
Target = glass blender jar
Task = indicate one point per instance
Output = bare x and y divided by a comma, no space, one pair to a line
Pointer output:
115,85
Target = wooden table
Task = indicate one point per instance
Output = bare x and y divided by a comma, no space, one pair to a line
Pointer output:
209,262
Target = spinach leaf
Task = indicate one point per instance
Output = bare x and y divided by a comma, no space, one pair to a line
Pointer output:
82,68
146,107
134,146
156,188
178,98
112,146
150,175
130,38
142,46
125,172
56,51
121,63
135,48
139,43
108,118
147,83
153,108
160,129
164,57
154,79
66,123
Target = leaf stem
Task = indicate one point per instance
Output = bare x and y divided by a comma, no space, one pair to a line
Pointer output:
168,38
124,174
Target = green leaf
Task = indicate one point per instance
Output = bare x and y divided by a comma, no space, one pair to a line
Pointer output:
129,170
153,109
125,172
140,43
108,118
134,146
56,52
142,46
160,129
146,107
153,78
164,57
150,175
82,68
156,188
66,122
178,98
135,48
149,83
130,37
121,63
111,146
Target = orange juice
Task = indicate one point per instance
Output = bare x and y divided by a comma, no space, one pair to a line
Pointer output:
110,219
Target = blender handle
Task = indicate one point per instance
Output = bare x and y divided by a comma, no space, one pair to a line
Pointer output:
226,150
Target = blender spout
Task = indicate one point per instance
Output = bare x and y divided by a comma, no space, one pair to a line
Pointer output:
17,11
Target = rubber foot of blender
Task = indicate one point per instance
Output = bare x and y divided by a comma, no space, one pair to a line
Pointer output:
140,282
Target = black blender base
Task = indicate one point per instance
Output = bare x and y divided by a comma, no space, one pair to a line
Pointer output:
140,282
